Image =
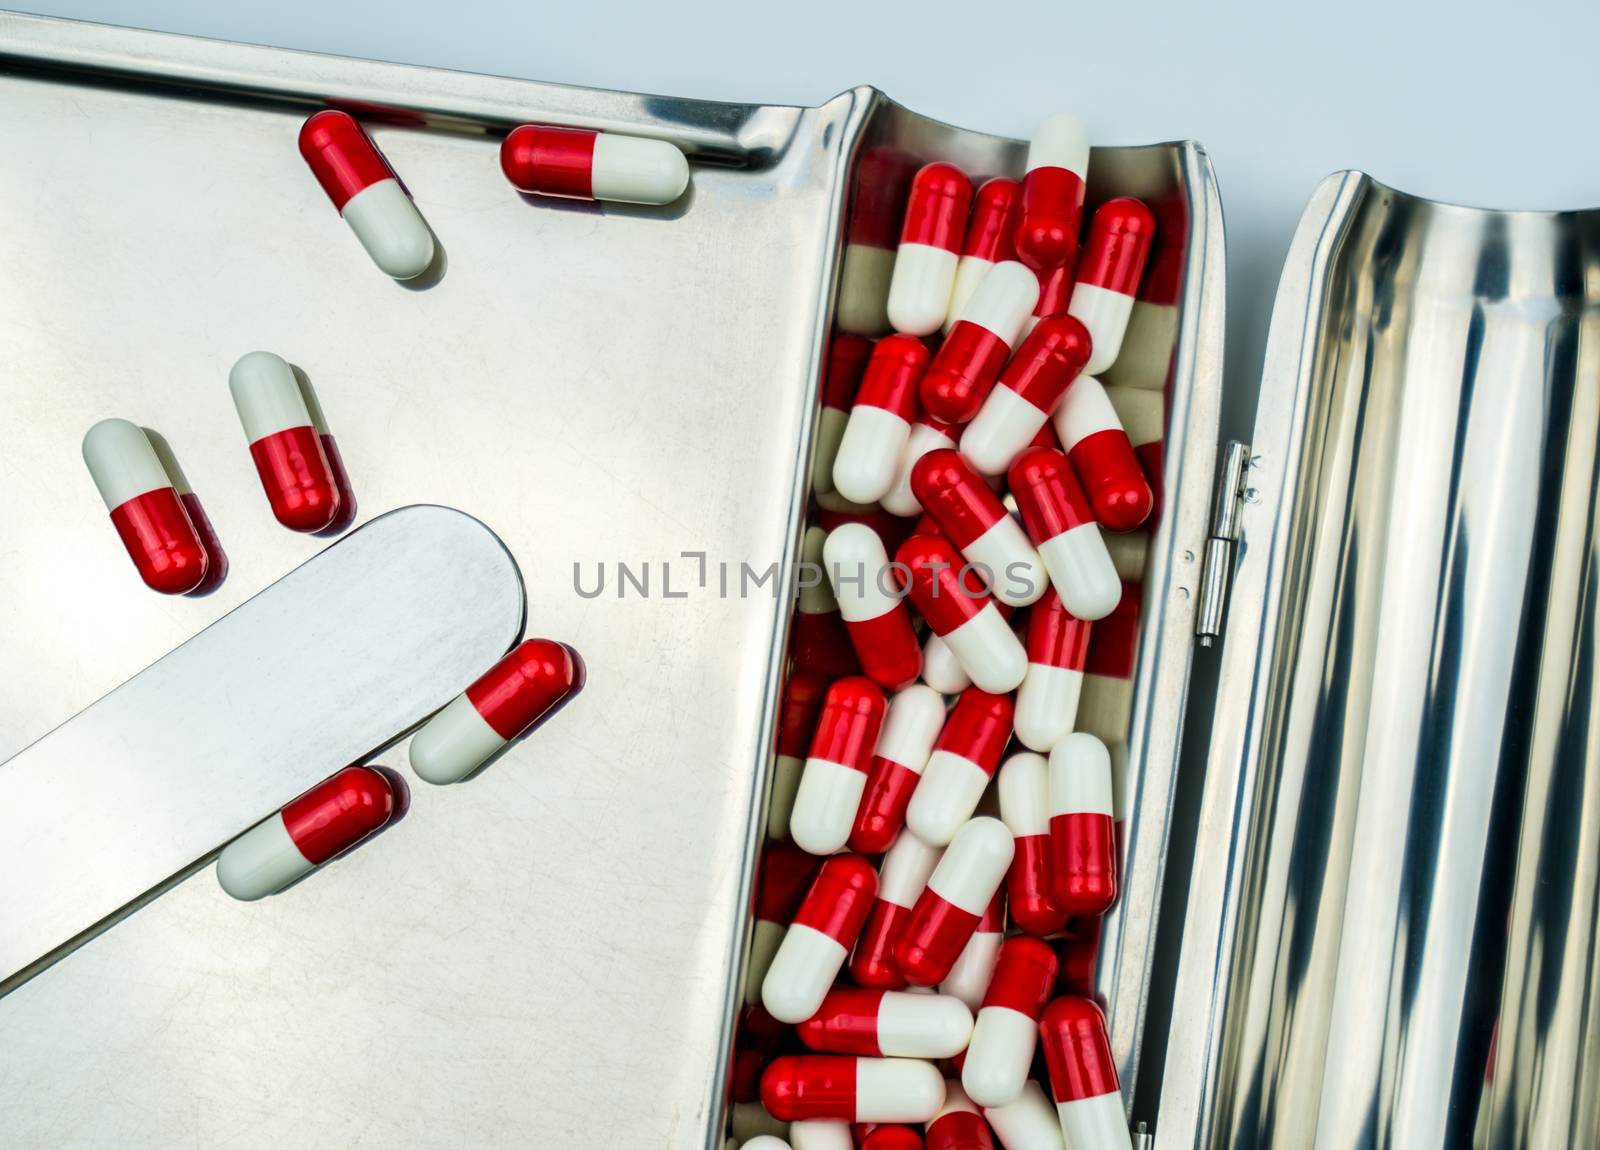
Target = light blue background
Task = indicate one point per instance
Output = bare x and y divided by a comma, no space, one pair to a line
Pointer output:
1490,104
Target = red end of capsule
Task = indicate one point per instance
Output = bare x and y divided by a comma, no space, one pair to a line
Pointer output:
336,814
342,156
550,161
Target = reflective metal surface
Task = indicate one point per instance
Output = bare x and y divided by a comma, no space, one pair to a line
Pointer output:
132,792
1398,837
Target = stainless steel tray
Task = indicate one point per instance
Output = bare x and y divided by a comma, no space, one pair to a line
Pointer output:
551,954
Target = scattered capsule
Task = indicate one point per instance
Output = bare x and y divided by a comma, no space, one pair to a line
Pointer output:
1083,844
979,343
963,761
1058,650
1083,1076
952,597
851,1089
887,1137
145,507
877,621
958,1125
1007,1029
901,879
1108,275
786,874
877,205
1052,194
366,192
969,977
929,252
996,207
820,1134
927,434
816,944
835,773
879,426
947,914
1102,455
515,696
915,718
330,818
797,720
847,362
972,517
581,164
1024,785
1028,1122
284,443
1019,407
818,639
888,1024
1060,522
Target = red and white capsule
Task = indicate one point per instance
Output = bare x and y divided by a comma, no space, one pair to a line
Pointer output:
847,362
930,246
915,718
1027,1122
947,914
366,192
1083,841
991,230
1060,522
818,639
879,427
1024,786
284,443
1083,1076
1052,193
972,517
330,818
958,1125
1058,650
969,977
980,341
1113,262
877,205
901,881
797,721
581,164
1144,417
927,434
963,761
1007,1029
869,599
1035,379
145,507
815,946
888,1024
835,774
515,696
796,1088
786,874
1095,441
952,597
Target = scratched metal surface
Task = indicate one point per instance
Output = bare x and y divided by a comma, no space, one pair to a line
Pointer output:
547,955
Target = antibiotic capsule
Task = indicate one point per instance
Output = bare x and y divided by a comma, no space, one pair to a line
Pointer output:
901,879
580,164
996,207
284,443
915,718
1083,845
816,944
330,818
929,252
509,700
1113,262
366,192
1095,441
847,362
1007,1029
927,434
963,761
969,977
1024,786
888,1024
145,507
1058,651
1027,1122
879,426
947,914
797,719
1060,522
840,757
786,874
1019,407
958,1125
972,355
972,517
1052,193
952,597
851,1089
1083,1076
877,620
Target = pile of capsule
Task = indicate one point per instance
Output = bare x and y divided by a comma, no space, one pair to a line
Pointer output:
915,959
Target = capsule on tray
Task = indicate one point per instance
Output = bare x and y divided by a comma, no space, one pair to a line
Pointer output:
963,761
1024,787
1035,379
1083,844
1113,262
874,615
972,517
1083,1076
901,880
835,773
879,426
816,944
145,507
288,452
1058,651
1061,524
1007,1028
366,192
952,597
839,1086
581,164
888,1024
1095,441
979,343
1052,193
990,239
929,252
915,717
947,914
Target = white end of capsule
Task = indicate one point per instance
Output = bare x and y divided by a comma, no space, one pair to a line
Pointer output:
1105,313
941,670
631,170
1024,787
969,978
453,744
945,798
825,806
122,462
1000,1056
988,650
919,292
391,229
261,861
974,865
1047,706
897,1090
1060,141
868,458
1017,573
969,274
1004,298
804,968
1097,1123
1082,571
1080,777
1004,425
819,1134
1028,1122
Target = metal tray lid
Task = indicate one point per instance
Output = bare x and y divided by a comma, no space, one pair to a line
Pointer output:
1390,934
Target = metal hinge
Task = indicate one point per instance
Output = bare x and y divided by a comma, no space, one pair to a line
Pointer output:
1216,571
